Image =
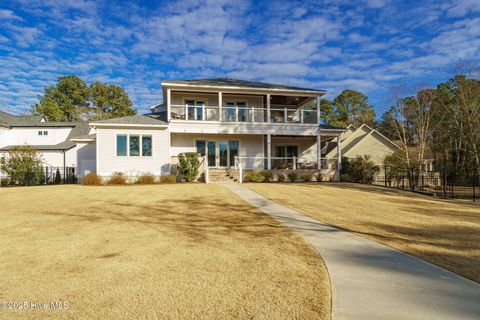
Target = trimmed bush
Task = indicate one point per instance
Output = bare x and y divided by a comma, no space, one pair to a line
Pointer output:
146,178
58,177
281,177
188,165
117,178
292,176
306,177
168,178
319,177
92,179
253,177
267,176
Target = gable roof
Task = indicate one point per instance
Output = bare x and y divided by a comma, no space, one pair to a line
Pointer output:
151,119
235,83
351,139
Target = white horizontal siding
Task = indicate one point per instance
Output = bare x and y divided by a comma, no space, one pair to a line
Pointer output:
20,136
108,162
86,158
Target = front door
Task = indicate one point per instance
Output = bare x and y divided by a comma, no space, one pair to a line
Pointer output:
222,153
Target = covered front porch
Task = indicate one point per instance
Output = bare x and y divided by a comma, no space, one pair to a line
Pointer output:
230,153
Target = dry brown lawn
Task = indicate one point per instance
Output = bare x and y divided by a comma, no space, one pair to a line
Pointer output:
186,251
446,233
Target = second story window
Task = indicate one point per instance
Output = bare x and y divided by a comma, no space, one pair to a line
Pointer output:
236,111
40,133
45,133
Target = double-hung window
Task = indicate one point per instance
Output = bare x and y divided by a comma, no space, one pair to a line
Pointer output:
134,145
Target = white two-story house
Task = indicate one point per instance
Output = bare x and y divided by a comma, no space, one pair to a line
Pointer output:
52,140
234,125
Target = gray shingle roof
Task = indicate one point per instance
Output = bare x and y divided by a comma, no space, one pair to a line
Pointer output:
149,119
92,136
10,120
65,145
227,82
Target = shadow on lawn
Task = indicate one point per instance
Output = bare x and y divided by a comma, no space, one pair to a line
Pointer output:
197,219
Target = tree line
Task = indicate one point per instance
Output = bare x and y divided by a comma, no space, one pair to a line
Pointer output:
441,122
72,99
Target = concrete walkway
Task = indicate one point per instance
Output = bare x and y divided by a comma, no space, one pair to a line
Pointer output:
372,281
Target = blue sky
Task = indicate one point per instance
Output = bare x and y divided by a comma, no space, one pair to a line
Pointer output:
370,45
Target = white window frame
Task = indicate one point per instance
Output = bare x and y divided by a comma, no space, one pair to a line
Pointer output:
195,100
128,145
235,103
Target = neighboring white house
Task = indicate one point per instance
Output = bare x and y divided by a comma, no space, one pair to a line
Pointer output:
233,124
361,141
53,140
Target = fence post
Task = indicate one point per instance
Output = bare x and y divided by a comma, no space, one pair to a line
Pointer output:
385,175
474,186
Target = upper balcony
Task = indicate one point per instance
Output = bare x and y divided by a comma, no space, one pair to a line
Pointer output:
240,112
236,106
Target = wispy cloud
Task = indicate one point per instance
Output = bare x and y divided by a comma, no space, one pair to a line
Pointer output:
368,45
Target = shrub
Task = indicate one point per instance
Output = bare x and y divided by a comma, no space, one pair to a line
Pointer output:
360,169
23,166
146,178
281,177
253,177
92,179
188,166
292,176
267,176
306,177
117,178
58,177
319,177
168,178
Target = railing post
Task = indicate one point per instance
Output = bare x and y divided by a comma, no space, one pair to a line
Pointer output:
205,164
301,116
253,114
294,163
240,174
285,114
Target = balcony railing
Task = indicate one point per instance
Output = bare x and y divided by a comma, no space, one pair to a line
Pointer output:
242,114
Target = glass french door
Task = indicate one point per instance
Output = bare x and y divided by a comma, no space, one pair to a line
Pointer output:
222,153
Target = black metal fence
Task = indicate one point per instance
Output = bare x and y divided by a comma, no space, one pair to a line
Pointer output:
443,185
47,175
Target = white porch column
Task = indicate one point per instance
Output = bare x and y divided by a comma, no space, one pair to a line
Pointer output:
339,155
319,151
319,137
169,104
318,111
268,107
220,105
269,151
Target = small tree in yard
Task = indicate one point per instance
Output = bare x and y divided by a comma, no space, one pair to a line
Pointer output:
23,166
188,166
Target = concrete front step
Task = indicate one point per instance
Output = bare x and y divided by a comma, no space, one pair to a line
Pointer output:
223,175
